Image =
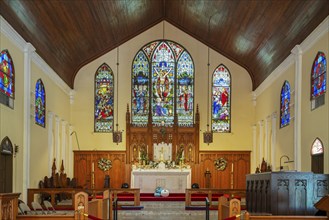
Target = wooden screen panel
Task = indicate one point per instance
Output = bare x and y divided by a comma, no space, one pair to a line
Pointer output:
222,178
83,168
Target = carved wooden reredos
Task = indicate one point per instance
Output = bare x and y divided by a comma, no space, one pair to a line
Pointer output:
181,138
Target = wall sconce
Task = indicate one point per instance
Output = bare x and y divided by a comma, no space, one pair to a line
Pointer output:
207,136
16,149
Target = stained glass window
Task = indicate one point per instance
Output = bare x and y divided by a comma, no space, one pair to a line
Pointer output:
7,74
285,105
221,100
104,99
40,104
163,83
318,81
317,147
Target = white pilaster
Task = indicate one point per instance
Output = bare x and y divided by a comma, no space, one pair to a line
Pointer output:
28,50
254,147
267,146
50,118
273,141
71,159
297,52
57,142
64,141
261,141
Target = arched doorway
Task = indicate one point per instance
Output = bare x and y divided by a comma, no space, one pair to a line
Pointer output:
6,166
317,156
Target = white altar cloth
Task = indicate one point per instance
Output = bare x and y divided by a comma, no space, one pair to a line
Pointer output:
175,180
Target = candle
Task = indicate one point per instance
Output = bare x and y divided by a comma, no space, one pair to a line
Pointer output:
232,167
93,167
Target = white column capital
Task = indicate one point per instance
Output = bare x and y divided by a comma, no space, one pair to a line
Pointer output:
28,48
297,50
72,94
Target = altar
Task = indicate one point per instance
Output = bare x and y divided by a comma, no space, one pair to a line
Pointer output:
175,180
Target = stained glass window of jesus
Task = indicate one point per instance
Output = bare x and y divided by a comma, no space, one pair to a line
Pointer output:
104,99
221,100
40,104
285,105
319,70
163,83
7,74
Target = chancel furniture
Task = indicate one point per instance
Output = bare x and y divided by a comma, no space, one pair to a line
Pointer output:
174,180
285,193
147,142
241,193
8,205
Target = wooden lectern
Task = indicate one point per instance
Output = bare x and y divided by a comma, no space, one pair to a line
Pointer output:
323,204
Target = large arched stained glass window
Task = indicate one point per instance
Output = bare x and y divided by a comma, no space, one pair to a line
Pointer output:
163,83
40,104
7,74
104,99
318,80
221,100
285,105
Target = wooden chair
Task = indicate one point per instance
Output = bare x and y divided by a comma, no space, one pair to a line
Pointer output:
24,208
38,208
49,207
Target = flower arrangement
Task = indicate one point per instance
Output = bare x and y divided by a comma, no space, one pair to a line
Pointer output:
104,164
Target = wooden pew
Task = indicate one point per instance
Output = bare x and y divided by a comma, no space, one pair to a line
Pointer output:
8,205
209,193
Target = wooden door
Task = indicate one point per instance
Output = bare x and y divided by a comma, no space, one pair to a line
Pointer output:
6,173
317,163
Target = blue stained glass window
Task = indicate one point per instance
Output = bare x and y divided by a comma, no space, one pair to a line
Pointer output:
157,68
140,89
104,99
185,88
7,74
40,104
221,100
318,79
285,105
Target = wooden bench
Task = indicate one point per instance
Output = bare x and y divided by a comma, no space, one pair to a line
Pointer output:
210,192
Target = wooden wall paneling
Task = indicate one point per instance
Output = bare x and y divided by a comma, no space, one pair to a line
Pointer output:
223,178
83,168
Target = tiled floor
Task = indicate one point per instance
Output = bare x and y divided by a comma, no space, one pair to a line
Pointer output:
165,211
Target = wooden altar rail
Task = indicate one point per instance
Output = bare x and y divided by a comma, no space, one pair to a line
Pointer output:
8,205
209,193
116,191
52,192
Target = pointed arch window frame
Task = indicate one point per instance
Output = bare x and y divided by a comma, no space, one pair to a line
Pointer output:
226,96
316,76
40,104
317,147
171,63
285,99
7,74
104,112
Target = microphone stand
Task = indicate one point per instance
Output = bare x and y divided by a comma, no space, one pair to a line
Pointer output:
76,137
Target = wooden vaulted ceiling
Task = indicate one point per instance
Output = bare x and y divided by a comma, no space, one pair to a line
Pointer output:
256,34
